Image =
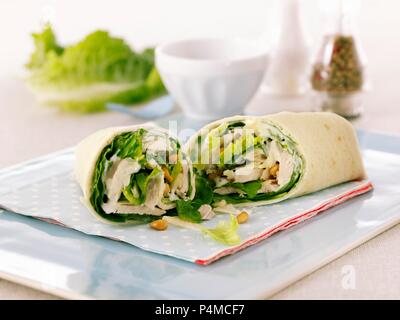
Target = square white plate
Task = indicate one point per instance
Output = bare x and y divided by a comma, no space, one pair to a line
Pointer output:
72,264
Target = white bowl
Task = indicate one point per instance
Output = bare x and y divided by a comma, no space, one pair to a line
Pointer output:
212,78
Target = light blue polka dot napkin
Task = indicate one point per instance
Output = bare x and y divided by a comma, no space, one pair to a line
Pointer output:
45,189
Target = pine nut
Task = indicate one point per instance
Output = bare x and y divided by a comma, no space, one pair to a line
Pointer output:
273,171
159,225
242,217
167,175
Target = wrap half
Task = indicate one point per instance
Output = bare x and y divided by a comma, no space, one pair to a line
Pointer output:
132,174
261,160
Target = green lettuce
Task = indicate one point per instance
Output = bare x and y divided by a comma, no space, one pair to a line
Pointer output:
188,210
225,232
45,43
85,76
129,195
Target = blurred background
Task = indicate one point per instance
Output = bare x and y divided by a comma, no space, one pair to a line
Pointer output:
148,23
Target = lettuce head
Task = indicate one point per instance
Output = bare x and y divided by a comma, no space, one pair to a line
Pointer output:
85,76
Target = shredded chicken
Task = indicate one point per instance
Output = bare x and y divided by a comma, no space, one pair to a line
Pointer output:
244,174
268,186
155,191
206,212
220,181
177,183
166,206
118,176
286,168
232,136
185,179
152,144
256,156
228,190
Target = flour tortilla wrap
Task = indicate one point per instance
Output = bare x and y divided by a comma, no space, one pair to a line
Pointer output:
261,160
132,174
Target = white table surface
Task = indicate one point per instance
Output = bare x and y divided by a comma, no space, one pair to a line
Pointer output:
28,130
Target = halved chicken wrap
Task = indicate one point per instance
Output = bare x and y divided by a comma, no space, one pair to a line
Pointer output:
260,160
133,174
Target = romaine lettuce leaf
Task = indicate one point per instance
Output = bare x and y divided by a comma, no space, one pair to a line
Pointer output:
177,168
129,145
45,43
225,232
188,210
96,70
204,191
232,154
127,192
